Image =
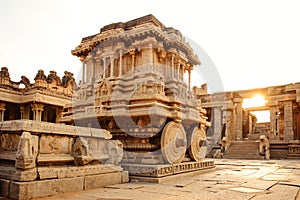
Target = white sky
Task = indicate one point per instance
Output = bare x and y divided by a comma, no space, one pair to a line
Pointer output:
251,43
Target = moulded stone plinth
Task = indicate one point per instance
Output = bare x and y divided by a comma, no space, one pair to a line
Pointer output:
157,171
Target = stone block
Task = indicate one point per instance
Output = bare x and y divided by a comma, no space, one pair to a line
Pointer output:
29,190
125,177
4,187
102,180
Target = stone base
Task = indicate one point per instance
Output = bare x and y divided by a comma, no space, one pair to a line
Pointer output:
158,173
41,188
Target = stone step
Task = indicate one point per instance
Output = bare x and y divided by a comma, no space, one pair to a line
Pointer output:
243,150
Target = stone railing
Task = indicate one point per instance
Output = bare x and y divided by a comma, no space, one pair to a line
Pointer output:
32,151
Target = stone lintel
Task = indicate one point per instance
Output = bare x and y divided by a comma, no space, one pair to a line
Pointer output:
46,127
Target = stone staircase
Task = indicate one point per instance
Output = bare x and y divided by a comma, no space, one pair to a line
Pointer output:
243,150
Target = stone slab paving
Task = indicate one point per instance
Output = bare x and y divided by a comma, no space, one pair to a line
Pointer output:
233,179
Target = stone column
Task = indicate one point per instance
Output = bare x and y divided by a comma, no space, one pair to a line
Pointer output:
189,79
273,122
22,110
178,70
83,72
250,125
37,109
150,51
172,67
112,73
239,118
132,53
288,132
182,72
217,120
2,110
104,68
227,119
93,71
120,63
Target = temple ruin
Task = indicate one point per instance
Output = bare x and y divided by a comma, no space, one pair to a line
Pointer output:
238,127
132,113
40,156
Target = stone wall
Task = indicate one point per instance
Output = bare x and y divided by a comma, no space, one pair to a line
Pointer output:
40,158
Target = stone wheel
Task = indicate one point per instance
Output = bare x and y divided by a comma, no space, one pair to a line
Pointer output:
173,143
197,144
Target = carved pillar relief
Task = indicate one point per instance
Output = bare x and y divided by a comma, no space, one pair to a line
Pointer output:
273,122
239,120
178,71
172,66
288,131
27,151
112,71
132,53
83,72
120,62
2,110
217,120
37,109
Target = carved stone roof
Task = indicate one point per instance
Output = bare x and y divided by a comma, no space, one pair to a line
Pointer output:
136,30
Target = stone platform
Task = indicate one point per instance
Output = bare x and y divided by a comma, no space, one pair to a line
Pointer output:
49,187
40,159
166,172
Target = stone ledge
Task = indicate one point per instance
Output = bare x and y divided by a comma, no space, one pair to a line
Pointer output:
157,171
51,128
42,188
171,178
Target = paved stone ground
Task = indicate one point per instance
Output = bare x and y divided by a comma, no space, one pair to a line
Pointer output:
232,179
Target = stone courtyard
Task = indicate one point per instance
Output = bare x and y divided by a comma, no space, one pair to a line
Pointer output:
231,179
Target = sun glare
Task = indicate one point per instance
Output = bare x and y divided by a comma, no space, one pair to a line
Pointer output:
256,101
262,116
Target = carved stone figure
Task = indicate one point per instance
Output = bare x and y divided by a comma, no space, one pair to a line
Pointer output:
52,77
25,81
264,146
27,151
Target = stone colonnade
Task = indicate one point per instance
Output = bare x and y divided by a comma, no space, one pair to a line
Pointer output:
25,109
114,65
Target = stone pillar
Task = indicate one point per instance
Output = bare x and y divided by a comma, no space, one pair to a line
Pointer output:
104,68
83,72
189,79
22,110
273,122
59,114
120,63
172,67
132,53
92,71
288,132
37,109
2,110
112,70
150,50
217,120
250,124
182,72
227,119
25,111
239,118
178,70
